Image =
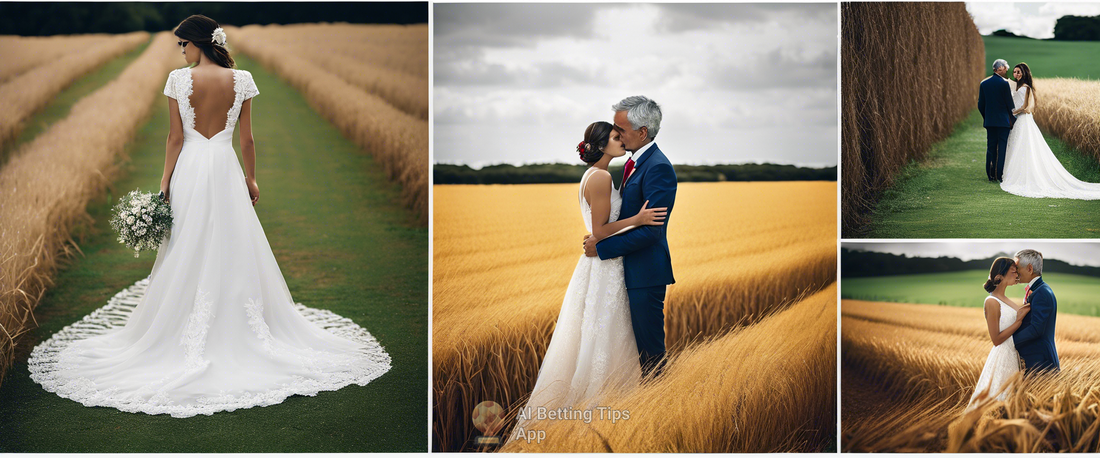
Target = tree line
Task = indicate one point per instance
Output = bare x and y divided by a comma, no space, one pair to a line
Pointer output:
860,263
571,173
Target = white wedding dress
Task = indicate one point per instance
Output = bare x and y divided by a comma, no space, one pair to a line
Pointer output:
1003,361
1031,169
592,350
213,327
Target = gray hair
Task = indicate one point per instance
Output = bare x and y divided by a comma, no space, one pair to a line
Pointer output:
1031,258
641,112
1000,63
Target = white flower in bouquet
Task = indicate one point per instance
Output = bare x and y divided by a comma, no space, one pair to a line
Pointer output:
142,220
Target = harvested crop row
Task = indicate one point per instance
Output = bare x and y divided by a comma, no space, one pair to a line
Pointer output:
48,184
910,73
403,48
396,140
29,92
24,53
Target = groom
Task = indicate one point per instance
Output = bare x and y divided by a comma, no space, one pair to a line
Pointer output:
995,104
648,176
1035,338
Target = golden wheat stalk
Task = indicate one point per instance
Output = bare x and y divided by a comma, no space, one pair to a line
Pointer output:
769,387
24,53
403,48
1070,110
48,184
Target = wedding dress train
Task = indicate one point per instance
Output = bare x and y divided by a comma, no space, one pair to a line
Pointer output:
213,327
1001,364
592,349
1032,169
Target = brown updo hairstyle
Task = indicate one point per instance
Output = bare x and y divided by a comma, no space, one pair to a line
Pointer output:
595,140
997,272
199,30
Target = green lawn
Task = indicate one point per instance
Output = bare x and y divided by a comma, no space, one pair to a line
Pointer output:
1076,294
1046,58
948,196
344,243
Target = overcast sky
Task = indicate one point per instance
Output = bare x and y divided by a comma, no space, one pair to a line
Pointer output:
1035,20
1078,253
519,83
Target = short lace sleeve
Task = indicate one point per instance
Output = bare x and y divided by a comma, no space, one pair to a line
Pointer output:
170,85
248,85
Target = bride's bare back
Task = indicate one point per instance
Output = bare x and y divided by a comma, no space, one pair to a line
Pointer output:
211,96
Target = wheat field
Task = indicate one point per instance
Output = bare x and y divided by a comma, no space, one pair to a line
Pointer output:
924,361
1070,110
397,140
503,256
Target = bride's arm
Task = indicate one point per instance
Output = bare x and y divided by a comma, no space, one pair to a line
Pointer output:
173,145
597,192
1026,108
248,151
993,322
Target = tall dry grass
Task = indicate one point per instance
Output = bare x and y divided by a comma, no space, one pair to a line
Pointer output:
24,53
928,359
770,387
397,140
1070,110
910,72
504,254
49,182
27,93
407,91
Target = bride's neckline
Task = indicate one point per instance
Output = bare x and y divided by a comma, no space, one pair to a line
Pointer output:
191,82
1004,303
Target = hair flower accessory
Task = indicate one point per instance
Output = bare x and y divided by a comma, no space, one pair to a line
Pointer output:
581,148
218,37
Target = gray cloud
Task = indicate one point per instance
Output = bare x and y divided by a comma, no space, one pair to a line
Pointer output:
691,16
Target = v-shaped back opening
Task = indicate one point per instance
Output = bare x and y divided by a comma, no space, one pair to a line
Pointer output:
212,95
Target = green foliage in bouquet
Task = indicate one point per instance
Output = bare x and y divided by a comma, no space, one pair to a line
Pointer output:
142,220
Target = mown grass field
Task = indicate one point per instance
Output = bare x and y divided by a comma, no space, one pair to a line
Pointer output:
948,196
909,371
344,241
504,254
1046,58
1076,294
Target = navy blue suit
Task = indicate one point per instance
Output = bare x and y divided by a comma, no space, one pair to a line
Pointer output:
995,104
647,264
1035,338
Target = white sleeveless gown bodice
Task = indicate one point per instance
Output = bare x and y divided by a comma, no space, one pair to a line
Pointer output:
592,348
1032,169
1003,360
213,327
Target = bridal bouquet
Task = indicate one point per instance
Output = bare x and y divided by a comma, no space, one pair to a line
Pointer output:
142,220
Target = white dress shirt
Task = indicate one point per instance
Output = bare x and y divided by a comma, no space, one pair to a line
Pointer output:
637,156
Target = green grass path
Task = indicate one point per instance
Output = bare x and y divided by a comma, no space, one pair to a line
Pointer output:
344,243
1076,294
948,196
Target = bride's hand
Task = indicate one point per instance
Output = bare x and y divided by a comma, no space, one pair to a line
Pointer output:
253,190
651,216
1023,312
164,190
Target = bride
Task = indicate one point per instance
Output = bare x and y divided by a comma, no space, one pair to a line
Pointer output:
592,349
1002,318
213,327
1031,169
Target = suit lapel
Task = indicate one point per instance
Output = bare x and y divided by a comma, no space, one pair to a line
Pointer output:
642,160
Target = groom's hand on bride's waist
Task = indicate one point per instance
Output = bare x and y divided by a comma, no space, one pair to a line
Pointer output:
590,246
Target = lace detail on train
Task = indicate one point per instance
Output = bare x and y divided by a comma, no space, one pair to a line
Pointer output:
1032,169
53,362
592,350
1001,364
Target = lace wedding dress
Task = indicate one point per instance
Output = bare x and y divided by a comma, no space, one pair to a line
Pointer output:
1031,169
1003,361
592,349
213,327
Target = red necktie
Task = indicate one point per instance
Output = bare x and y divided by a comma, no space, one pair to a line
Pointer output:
629,168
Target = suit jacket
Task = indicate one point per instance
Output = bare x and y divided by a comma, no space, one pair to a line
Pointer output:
1035,338
644,249
995,102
